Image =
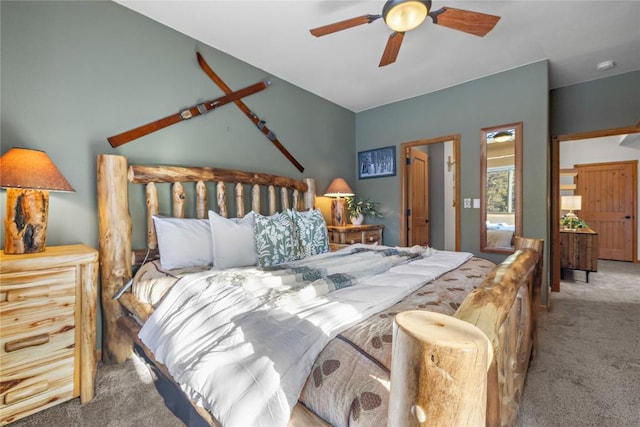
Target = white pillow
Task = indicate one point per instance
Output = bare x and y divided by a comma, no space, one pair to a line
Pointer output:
183,242
233,242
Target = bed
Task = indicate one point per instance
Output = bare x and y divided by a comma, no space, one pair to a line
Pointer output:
446,338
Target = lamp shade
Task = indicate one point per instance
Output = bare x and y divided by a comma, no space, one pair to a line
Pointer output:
571,203
339,188
31,169
28,175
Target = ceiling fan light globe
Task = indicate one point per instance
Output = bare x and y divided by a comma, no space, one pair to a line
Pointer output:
405,15
502,136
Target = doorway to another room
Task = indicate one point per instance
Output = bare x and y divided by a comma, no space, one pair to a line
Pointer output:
430,198
599,167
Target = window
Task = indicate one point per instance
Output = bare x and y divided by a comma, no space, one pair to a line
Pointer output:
500,190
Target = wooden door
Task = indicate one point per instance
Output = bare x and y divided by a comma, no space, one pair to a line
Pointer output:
418,219
609,206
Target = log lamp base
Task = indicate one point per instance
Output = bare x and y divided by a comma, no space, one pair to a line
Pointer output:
25,223
338,212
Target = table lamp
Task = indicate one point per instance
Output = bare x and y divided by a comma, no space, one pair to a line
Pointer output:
571,203
338,189
28,175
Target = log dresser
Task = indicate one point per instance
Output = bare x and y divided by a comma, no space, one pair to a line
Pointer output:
579,250
47,329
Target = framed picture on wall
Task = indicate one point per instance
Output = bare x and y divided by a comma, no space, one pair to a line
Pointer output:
377,163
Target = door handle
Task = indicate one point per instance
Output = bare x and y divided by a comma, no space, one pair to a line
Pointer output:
627,217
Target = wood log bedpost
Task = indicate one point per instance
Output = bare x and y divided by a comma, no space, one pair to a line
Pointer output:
115,252
446,384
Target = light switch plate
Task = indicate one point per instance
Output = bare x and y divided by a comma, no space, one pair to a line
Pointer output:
467,203
476,203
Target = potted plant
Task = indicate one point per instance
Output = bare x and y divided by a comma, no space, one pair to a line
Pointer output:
571,222
360,208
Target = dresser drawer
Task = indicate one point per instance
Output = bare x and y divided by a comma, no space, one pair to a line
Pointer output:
352,237
30,286
35,386
372,237
52,334
37,316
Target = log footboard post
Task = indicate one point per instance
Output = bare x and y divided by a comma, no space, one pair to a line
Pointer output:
115,252
535,287
438,371
502,308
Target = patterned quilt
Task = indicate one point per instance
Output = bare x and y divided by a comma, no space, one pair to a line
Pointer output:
349,382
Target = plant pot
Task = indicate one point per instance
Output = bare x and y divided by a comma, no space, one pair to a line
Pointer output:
357,220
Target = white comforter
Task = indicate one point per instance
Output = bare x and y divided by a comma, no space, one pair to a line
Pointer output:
243,351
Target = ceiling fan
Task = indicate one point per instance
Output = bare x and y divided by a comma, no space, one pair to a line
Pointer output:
405,15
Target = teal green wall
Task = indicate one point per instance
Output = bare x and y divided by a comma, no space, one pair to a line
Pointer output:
605,103
512,96
75,73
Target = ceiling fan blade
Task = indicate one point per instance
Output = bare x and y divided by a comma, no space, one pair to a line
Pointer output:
343,25
391,50
478,24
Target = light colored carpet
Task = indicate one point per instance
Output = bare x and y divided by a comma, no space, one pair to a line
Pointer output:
586,373
125,397
587,369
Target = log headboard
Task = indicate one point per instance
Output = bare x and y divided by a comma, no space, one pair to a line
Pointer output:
117,255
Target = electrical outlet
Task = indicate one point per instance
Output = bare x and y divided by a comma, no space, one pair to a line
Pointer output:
467,203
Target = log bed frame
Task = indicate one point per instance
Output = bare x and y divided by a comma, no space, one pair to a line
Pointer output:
466,369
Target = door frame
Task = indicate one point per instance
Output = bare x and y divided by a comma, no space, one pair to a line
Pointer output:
555,190
455,163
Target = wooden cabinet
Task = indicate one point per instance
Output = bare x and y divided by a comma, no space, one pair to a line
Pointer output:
342,236
579,250
47,329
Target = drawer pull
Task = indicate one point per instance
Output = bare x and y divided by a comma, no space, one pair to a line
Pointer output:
25,392
26,342
24,294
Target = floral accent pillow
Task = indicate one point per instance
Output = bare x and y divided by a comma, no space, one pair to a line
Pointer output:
276,239
311,228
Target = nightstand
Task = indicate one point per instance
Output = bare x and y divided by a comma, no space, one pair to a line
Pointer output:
47,329
343,236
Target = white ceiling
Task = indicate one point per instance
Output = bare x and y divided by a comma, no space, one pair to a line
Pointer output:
574,35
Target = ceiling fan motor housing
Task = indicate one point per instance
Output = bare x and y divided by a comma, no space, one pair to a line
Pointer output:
405,15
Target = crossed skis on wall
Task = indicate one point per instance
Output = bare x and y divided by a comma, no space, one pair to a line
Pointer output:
205,107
